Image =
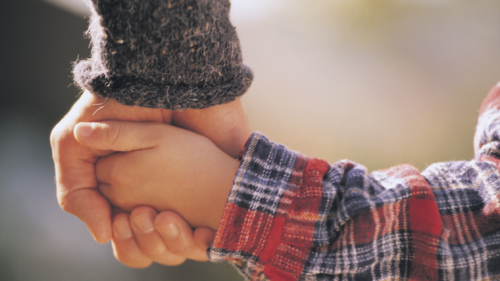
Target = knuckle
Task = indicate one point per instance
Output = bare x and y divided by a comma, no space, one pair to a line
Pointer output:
63,200
64,206
56,135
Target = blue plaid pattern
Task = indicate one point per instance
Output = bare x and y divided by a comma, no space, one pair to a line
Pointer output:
290,217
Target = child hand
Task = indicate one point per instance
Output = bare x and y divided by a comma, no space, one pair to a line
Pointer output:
167,168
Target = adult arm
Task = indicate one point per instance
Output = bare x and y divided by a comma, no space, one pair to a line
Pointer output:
154,54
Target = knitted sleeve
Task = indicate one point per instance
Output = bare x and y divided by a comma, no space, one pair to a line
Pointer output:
163,54
290,217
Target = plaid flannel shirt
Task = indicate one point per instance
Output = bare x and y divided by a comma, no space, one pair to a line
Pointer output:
289,217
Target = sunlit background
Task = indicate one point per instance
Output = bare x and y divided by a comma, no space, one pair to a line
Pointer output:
378,82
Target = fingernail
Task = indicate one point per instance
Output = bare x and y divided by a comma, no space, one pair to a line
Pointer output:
170,231
84,130
122,229
144,223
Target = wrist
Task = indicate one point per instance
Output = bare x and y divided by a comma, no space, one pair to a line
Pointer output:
203,200
221,190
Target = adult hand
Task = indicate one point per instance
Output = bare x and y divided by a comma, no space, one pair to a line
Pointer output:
76,183
144,236
75,163
162,166
136,243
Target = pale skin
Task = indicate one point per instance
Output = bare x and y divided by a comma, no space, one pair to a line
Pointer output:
77,193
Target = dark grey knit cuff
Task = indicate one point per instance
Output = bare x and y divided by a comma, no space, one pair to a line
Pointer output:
163,54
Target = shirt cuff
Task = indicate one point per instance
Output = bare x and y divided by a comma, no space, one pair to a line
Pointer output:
267,227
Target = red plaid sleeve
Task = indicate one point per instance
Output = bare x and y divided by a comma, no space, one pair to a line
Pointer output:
289,217
265,230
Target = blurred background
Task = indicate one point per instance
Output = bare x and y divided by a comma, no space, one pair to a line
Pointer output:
378,82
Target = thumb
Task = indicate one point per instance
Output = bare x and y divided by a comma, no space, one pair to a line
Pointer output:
117,135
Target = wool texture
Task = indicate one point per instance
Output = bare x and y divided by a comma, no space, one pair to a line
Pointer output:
172,54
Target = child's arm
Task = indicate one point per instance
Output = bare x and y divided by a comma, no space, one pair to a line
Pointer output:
290,217
169,169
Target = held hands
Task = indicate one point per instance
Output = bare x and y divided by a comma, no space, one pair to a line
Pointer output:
75,163
168,168
144,236
76,181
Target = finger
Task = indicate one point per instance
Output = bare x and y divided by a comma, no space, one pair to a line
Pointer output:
117,135
204,237
76,182
125,248
93,209
75,164
178,236
148,239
